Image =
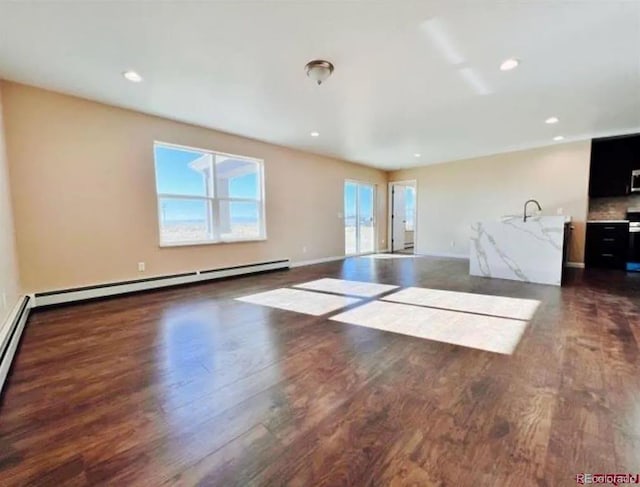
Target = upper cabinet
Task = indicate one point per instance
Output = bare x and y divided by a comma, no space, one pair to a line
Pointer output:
612,160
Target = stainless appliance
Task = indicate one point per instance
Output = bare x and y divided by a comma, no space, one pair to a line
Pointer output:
633,258
635,180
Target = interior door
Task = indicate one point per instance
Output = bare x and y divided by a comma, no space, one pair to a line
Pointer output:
398,217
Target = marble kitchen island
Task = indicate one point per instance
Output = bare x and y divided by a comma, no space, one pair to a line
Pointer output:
510,248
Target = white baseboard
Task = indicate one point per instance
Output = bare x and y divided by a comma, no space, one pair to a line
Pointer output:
11,331
575,265
112,289
445,255
302,263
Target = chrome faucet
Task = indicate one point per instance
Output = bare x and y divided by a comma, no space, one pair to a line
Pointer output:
525,207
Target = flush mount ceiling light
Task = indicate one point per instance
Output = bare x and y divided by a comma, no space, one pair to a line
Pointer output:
315,134
416,155
558,137
319,70
551,120
509,64
132,76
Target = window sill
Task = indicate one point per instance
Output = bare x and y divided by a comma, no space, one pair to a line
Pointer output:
211,242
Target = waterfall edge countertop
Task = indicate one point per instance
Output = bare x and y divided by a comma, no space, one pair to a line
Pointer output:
510,248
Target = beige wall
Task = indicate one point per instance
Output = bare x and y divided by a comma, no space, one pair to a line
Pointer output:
84,199
452,196
83,194
9,282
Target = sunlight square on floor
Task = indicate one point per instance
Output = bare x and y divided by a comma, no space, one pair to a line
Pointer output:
489,333
353,288
300,301
500,306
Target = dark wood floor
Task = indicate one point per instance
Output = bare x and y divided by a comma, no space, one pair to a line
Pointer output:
188,386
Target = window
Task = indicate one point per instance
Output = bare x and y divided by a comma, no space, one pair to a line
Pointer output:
410,209
208,197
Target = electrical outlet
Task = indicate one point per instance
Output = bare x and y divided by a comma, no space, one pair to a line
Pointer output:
304,250
453,243
560,211
141,267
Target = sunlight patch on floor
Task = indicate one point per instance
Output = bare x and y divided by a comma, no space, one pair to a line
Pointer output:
305,302
489,333
353,288
500,306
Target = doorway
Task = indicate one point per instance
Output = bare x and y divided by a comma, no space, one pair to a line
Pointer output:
359,218
402,216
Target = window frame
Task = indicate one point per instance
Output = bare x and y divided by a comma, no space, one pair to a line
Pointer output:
213,201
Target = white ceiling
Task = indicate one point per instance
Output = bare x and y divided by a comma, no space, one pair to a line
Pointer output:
411,76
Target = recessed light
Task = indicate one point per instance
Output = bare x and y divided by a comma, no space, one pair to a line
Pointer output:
558,137
315,134
416,155
509,64
132,76
551,120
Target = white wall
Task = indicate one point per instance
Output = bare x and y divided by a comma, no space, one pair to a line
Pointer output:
452,196
9,282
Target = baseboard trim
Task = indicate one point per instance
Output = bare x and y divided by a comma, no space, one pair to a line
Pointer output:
124,287
575,265
302,263
446,255
13,328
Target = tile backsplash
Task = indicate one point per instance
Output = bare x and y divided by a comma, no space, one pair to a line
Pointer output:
614,208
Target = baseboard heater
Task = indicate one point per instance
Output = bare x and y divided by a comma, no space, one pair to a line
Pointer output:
123,287
9,342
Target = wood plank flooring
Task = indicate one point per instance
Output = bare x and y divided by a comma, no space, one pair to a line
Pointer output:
188,386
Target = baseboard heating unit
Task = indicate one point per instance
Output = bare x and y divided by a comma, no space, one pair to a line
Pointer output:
123,287
10,337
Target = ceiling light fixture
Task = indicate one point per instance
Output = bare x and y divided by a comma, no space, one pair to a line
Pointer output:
509,64
551,120
315,134
319,70
132,76
416,155
558,137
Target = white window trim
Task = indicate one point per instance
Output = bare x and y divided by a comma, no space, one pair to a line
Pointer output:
213,201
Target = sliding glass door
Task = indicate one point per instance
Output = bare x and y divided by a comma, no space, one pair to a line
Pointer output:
359,218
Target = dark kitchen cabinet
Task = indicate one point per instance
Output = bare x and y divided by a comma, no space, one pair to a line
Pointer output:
635,152
606,245
612,160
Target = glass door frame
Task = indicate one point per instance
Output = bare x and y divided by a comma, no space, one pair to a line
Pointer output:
374,190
